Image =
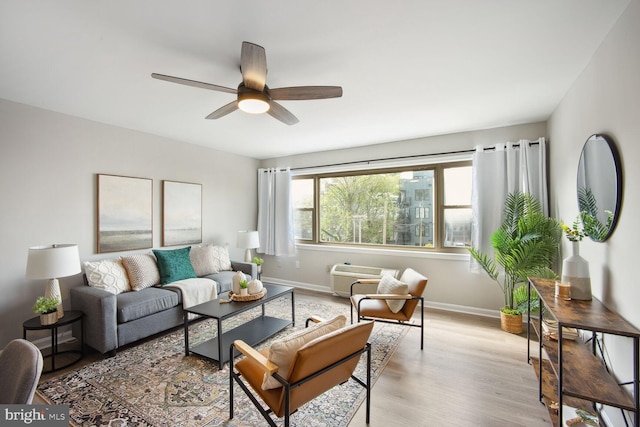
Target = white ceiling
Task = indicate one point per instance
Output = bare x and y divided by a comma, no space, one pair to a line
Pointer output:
408,68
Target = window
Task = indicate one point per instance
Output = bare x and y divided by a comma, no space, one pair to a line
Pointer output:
457,206
303,211
427,207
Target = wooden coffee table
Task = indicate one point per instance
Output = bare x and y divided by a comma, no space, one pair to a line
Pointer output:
252,332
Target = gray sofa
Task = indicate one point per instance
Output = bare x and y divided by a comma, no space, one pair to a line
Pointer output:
112,321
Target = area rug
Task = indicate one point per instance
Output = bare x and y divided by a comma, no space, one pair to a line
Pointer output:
155,384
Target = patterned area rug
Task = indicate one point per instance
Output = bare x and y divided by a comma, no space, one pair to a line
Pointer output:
155,384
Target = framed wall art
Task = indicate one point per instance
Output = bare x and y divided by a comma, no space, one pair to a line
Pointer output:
125,213
181,213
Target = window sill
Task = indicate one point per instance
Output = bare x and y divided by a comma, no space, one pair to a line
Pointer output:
451,256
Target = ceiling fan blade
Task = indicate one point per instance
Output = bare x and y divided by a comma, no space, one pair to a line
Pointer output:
279,112
193,83
224,110
253,65
305,92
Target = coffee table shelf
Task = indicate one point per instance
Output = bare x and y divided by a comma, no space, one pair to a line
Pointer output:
252,332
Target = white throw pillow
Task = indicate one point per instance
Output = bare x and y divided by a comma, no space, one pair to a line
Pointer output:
221,258
202,260
390,285
282,352
108,275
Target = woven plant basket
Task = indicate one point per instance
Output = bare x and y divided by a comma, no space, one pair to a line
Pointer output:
48,318
511,323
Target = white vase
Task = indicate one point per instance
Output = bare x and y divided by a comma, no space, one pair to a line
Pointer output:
575,271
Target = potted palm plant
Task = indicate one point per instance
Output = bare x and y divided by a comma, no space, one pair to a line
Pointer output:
525,245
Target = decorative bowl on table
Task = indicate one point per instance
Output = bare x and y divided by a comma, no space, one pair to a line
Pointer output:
250,297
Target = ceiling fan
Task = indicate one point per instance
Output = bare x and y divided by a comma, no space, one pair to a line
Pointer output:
253,95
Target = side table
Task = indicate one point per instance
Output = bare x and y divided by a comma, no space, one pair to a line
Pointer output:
70,317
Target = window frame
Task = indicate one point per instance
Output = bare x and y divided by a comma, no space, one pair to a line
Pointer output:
438,209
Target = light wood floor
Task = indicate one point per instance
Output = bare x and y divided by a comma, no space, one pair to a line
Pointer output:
470,373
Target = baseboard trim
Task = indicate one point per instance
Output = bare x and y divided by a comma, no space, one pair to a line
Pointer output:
44,343
429,304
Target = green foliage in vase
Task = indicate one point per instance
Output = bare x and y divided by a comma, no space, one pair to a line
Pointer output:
45,305
525,246
591,225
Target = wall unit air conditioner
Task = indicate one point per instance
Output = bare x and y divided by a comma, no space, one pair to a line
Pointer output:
343,275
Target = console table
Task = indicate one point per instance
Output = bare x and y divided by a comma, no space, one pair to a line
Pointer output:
252,332
574,374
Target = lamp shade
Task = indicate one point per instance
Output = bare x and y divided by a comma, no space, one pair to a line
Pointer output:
54,261
248,239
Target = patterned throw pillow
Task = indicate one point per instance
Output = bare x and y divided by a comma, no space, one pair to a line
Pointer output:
108,275
282,352
142,270
390,285
202,260
222,262
174,265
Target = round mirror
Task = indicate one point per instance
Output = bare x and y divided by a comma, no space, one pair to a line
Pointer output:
599,187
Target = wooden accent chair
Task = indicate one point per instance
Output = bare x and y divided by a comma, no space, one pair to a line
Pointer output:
319,365
374,305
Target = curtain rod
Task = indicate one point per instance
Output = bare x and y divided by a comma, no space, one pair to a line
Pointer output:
366,162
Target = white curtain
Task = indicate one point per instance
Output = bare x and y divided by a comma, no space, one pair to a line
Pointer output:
275,213
496,173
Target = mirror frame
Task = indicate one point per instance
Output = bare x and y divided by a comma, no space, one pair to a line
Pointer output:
617,167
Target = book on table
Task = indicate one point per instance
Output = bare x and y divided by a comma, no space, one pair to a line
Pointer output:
550,329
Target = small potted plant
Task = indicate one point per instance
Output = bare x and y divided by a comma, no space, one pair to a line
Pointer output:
258,261
47,308
243,288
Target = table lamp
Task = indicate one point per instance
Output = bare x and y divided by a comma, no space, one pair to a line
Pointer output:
52,262
248,240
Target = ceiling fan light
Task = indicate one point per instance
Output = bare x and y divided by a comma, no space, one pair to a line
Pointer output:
253,106
253,102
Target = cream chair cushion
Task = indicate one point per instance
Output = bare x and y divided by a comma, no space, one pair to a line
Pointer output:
282,352
390,285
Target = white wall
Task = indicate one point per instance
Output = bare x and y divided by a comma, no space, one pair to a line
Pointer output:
606,99
48,167
451,285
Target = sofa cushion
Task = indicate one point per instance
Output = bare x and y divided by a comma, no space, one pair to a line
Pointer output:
224,279
109,275
142,270
135,305
221,257
202,260
174,265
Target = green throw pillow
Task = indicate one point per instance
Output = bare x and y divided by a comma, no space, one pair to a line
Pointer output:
174,265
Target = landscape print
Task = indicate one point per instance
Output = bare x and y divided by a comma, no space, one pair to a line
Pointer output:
125,213
181,213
